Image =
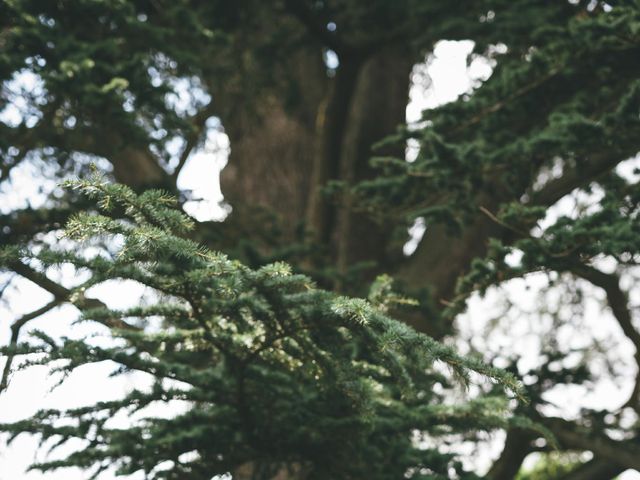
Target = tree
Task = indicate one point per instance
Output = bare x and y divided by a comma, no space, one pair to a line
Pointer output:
276,372
556,120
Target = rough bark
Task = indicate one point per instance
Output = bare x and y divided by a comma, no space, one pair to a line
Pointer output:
377,108
297,156
330,127
272,143
442,257
139,169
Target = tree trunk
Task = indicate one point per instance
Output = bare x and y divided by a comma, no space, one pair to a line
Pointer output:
139,169
272,148
296,157
378,108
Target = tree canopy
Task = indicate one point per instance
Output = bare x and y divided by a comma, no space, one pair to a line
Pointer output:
299,338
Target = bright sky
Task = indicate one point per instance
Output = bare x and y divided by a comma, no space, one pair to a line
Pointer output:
442,79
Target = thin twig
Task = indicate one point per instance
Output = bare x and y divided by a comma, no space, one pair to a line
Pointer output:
15,333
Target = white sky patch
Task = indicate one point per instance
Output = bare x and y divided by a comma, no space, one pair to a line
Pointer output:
201,176
416,232
444,76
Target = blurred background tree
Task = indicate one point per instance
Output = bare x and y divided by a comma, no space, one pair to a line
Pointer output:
526,175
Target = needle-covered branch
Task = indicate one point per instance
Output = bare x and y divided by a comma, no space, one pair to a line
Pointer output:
243,342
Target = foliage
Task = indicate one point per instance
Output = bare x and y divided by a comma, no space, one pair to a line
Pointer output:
530,173
581,116
274,371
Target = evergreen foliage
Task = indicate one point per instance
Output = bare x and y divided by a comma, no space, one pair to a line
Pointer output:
273,371
280,367
578,83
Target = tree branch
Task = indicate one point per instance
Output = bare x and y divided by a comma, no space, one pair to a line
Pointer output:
499,105
579,175
60,292
616,297
199,122
619,303
615,452
15,333
63,294
595,469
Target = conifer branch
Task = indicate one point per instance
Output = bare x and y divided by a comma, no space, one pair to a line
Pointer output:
15,333
502,103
